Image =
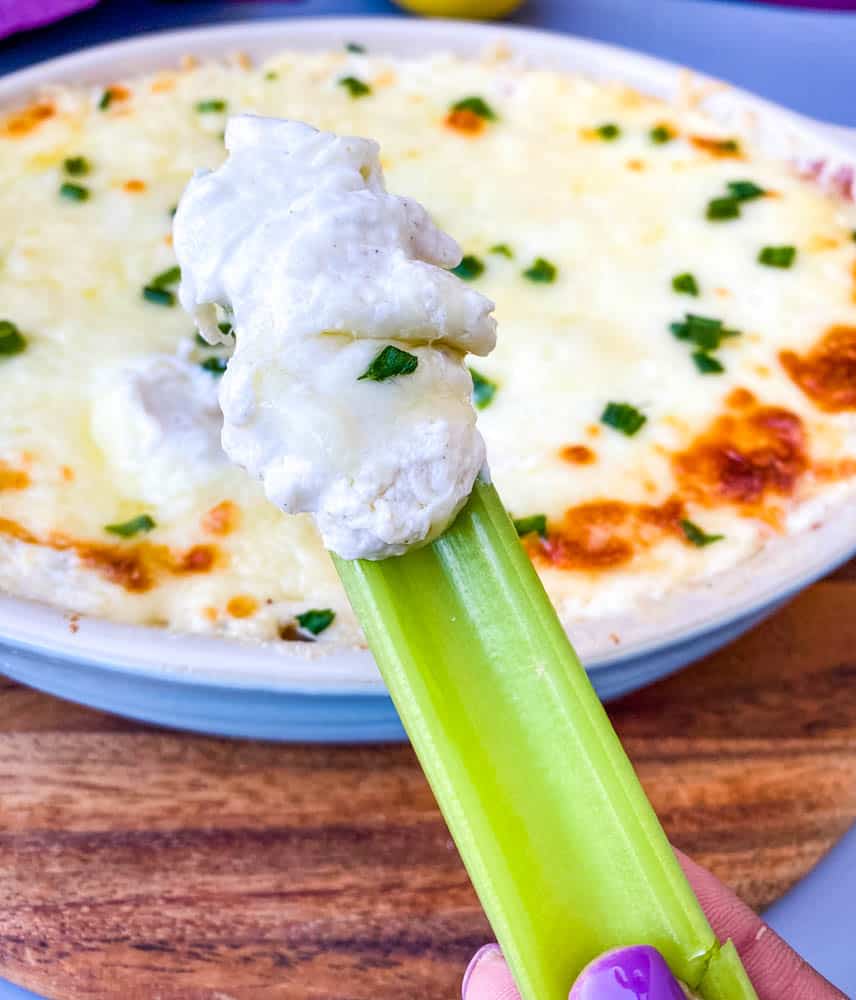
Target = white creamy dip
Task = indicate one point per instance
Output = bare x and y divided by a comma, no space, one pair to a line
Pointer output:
321,269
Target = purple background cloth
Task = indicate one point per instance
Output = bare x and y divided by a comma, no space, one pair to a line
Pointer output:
18,15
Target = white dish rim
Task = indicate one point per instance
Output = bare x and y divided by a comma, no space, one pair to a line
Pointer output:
779,570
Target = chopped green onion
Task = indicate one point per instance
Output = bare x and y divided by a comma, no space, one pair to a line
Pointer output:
171,276
660,134
74,192
225,328
685,284
698,537
469,269
355,87
541,271
200,340
390,362
316,620
719,209
12,341
707,364
705,332
215,365
503,249
355,47
106,100
483,390
777,256
211,105
158,296
478,106
271,75
745,190
76,166
608,131
172,211
521,757
623,417
534,524
127,529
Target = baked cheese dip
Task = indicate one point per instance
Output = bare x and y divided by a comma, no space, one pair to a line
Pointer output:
674,384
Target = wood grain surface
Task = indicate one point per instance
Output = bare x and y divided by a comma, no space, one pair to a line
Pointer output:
139,863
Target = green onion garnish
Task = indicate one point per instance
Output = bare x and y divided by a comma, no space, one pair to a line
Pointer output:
127,529
106,100
390,362
745,190
211,105
355,47
215,365
685,284
503,249
12,341
469,269
719,209
158,296
478,106
354,86
316,620
225,328
483,390
698,537
608,131
74,192
532,525
660,134
777,256
705,332
76,166
623,417
541,271
707,364
171,276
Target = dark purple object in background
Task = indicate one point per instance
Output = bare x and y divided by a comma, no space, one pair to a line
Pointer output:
18,15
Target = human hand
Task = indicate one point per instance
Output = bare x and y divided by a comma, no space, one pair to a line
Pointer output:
776,971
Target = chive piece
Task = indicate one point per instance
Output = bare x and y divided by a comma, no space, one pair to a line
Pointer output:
171,276
705,332
478,106
271,75
74,192
745,190
215,365
469,269
707,364
127,529
608,131
225,328
541,271
534,524
390,362
76,166
12,341
355,47
483,390
212,104
685,284
698,537
660,134
158,296
623,417
719,209
777,256
503,249
355,87
200,341
316,620
106,100
486,683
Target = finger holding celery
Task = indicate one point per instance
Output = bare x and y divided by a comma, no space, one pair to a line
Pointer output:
348,397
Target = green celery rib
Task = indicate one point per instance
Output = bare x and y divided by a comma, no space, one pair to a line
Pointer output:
558,836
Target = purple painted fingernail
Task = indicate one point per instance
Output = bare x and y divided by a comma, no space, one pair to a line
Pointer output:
491,950
635,973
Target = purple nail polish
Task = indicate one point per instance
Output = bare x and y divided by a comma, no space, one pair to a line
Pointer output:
635,973
486,949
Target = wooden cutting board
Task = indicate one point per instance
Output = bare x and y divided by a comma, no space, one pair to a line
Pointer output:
138,863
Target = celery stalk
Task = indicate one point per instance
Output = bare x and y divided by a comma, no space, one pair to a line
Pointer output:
554,828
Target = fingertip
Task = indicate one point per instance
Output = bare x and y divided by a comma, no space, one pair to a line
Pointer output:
488,977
